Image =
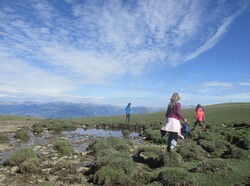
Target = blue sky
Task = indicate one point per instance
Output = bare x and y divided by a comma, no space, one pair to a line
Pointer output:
115,52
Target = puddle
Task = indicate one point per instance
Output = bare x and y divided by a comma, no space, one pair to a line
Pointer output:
79,139
99,133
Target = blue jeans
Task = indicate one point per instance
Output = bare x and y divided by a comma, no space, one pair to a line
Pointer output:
172,140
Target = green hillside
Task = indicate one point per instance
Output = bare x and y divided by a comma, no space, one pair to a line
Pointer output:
215,114
224,113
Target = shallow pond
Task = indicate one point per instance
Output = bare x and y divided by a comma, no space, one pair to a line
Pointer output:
79,139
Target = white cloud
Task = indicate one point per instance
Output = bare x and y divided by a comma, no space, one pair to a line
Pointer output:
51,49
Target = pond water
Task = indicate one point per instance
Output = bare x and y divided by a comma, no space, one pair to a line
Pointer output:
79,139
99,133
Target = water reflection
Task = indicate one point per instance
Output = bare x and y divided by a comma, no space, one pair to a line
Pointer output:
99,133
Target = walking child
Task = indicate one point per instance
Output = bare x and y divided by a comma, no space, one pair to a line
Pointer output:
199,117
173,125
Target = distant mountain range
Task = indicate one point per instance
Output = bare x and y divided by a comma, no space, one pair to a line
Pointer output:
69,110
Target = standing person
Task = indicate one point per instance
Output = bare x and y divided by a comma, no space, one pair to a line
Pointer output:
128,112
173,125
199,117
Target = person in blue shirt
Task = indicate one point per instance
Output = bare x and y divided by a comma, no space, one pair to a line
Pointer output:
128,112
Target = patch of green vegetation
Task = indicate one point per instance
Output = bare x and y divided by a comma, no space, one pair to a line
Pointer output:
149,155
37,128
191,151
3,138
22,134
142,175
172,159
176,176
20,156
32,165
214,148
210,136
148,152
67,125
109,175
236,153
118,160
238,137
59,124
63,147
155,136
216,166
238,176
122,145
53,125
63,167
99,145
113,165
125,133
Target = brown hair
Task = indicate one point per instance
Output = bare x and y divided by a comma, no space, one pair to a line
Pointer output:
174,99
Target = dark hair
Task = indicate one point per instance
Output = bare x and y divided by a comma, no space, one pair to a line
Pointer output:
199,106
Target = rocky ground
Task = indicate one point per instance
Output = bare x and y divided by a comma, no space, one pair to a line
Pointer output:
55,169
9,175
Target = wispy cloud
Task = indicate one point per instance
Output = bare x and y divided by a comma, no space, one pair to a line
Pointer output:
217,84
244,83
51,48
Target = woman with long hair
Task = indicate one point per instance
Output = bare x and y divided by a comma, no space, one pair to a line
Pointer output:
173,125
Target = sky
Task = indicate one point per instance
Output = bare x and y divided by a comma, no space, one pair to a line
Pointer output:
120,51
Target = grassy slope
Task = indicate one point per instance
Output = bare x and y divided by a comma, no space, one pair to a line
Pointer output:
224,113
215,114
